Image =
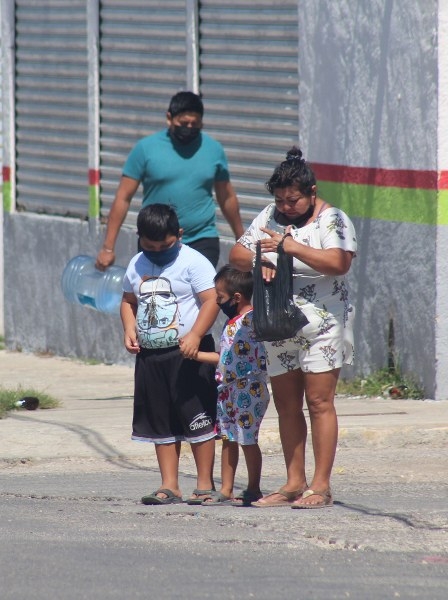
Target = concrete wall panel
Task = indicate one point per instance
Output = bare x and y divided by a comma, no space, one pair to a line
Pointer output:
37,316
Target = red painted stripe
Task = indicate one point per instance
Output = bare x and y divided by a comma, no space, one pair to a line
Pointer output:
94,177
443,180
6,174
403,178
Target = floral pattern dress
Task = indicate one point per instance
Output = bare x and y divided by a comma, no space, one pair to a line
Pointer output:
243,395
326,342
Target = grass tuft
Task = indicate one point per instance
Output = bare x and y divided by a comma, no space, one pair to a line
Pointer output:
388,383
8,399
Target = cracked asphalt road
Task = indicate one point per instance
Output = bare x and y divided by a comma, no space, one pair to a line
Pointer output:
72,526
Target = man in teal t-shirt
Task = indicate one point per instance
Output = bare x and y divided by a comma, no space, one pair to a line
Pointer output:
180,166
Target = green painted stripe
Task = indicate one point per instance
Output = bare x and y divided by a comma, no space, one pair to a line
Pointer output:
403,205
94,202
443,207
7,200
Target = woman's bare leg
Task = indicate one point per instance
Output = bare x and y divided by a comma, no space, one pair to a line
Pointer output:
288,392
320,389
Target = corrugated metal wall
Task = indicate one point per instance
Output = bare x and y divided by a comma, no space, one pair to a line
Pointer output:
249,81
142,64
51,106
248,78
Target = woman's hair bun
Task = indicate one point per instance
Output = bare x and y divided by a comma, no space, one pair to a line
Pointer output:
294,154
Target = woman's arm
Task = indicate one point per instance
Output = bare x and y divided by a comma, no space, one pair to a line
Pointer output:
241,258
330,261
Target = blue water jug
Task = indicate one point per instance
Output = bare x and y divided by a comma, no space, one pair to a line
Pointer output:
83,284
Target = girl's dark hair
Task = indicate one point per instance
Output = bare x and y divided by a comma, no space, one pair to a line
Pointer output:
185,102
156,221
294,171
236,281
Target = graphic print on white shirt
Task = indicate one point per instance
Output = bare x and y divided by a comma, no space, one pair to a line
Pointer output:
157,314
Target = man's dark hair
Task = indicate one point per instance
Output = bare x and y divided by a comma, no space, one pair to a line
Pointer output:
185,102
236,281
156,221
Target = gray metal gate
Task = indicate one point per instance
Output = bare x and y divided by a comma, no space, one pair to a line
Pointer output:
249,82
51,106
142,64
248,62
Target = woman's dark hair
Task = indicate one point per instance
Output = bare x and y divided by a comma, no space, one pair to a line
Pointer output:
185,102
156,221
294,171
236,281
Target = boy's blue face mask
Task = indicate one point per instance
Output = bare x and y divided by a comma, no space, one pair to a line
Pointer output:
163,257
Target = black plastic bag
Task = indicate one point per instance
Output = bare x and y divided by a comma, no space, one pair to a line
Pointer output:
275,317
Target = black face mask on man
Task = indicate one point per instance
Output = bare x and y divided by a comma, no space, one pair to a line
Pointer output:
184,134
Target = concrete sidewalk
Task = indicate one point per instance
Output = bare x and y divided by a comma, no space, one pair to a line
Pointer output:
93,422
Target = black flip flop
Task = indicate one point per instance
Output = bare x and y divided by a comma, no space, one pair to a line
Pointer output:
245,498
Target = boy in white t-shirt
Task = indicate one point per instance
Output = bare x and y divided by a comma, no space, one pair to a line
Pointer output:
169,301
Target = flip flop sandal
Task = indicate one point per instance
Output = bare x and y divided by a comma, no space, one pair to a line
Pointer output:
327,499
171,498
218,499
245,498
206,494
289,498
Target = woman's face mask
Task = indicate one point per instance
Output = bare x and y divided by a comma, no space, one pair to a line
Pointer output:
163,257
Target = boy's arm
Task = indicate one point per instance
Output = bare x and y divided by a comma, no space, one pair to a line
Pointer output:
128,312
208,312
211,358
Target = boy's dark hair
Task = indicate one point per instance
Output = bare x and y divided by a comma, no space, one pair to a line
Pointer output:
236,281
185,102
294,171
156,221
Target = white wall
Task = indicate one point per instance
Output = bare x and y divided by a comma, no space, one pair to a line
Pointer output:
368,81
